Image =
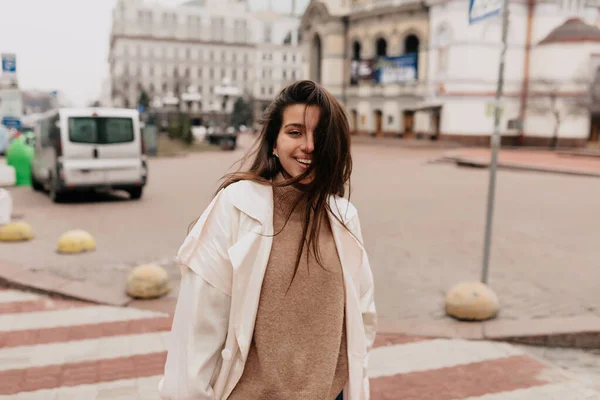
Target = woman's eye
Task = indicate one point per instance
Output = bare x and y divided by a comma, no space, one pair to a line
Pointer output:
294,133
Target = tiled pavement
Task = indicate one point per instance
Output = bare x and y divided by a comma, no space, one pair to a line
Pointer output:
540,161
53,349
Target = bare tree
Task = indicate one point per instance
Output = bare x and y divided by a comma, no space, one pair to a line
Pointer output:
549,97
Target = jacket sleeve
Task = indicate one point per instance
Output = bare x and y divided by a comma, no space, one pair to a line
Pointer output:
201,316
367,301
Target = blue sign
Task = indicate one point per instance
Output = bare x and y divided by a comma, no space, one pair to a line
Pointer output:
9,63
400,69
11,122
482,9
141,109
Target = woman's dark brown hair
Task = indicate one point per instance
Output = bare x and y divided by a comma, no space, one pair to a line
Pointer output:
331,160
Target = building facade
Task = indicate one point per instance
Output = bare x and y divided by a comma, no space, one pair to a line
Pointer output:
361,50
347,41
201,56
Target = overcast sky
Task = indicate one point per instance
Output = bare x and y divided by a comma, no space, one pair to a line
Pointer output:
63,44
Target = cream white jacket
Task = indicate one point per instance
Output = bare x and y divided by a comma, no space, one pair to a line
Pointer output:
223,262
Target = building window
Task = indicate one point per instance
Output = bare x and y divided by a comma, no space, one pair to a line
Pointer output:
211,55
268,33
223,73
211,73
188,53
293,58
390,120
294,74
262,90
224,56
245,74
200,72
381,46
264,74
356,48
284,74
234,57
186,73
284,57
270,90
234,74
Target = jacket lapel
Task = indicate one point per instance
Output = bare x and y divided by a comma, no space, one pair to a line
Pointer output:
249,257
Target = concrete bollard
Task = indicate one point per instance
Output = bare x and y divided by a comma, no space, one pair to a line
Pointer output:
147,281
75,241
472,301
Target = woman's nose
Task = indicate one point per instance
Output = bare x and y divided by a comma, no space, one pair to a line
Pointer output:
309,144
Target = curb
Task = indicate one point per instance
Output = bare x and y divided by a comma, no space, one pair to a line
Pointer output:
478,163
581,332
17,277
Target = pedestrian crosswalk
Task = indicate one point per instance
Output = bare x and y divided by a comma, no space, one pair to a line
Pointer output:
53,349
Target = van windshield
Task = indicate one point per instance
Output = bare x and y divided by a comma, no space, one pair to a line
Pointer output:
100,130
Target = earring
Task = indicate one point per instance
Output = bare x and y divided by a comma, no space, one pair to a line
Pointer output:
275,154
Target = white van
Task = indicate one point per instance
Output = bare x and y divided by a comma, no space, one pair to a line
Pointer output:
89,148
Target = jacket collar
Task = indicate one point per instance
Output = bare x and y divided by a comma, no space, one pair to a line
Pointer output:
256,200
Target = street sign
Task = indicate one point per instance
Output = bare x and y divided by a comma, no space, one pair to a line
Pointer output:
483,9
9,63
11,122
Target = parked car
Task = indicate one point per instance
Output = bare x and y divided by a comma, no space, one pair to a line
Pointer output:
226,138
89,149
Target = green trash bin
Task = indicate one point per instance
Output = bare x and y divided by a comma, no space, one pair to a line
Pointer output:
19,155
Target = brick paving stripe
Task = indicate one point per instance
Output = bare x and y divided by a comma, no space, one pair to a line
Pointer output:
32,337
82,315
81,351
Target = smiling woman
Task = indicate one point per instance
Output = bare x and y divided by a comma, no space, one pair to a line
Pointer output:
276,299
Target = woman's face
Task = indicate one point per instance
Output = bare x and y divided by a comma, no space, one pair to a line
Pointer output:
295,142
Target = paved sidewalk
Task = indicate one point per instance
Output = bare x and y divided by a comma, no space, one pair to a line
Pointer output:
529,160
58,349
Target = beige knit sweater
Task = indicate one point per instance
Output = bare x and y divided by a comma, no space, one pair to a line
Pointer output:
298,351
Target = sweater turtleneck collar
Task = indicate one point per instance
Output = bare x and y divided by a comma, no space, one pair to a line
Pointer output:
288,195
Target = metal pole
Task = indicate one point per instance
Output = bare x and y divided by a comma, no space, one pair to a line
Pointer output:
495,144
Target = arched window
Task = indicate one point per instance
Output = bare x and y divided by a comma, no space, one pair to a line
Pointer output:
356,51
411,44
316,59
381,47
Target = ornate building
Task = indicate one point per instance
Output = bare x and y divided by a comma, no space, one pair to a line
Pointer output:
418,68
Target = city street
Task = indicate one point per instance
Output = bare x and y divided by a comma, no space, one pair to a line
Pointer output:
423,226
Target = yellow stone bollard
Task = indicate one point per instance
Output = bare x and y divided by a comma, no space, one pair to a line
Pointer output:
16,232
147,281
472,301
75,241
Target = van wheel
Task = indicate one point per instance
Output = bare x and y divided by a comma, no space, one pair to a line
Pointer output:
55,194
35,184
135,193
